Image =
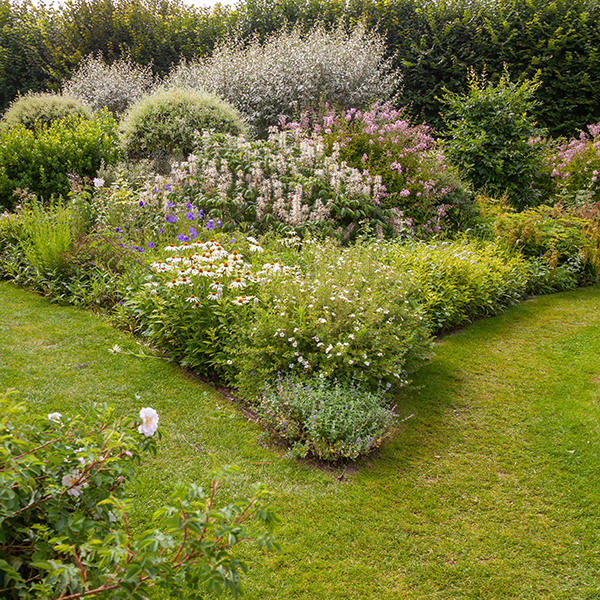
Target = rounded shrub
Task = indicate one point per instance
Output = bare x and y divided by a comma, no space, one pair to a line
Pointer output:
116,86
43,108
166,122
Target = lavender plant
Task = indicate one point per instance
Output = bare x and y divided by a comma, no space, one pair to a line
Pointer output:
116,86
325,419
291,72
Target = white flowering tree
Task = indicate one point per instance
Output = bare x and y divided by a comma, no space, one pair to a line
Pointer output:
63,519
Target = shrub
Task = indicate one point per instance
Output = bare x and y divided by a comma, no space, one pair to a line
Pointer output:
325,419
63,516
575,167
42,160
114,86
291,72
286,182
459,281
564,248
491,138
427,194
342,316
166,121
35,109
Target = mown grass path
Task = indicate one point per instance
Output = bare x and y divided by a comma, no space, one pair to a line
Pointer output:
491,491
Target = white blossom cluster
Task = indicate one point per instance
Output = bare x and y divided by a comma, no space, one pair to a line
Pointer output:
291,177
292,71
209,269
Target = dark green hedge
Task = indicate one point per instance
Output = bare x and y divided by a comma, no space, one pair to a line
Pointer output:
434,43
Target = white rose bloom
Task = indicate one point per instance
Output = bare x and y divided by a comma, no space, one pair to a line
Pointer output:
73,483
149,421
98,182
55,416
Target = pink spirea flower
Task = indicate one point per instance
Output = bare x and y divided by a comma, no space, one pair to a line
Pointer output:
149,419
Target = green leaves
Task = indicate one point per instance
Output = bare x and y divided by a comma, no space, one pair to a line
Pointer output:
63,538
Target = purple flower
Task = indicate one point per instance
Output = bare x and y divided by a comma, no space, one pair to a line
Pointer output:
193,233
155,189
171,219
190,216
183,238
150,245
200,214
160,230
139,249
219,223
210,224
170,205
189,206
117,230
141,203
120,245
168,187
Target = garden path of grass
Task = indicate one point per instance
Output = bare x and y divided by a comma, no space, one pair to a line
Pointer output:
491,491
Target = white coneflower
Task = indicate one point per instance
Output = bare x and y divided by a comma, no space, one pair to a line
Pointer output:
238,282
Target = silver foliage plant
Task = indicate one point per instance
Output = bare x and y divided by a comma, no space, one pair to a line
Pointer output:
114,86
292,71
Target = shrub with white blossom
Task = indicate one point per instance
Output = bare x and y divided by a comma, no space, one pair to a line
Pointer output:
115,86
292,71
63,515
286,182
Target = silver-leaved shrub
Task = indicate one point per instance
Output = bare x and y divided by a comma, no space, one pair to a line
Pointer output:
63,515
116,86
292,71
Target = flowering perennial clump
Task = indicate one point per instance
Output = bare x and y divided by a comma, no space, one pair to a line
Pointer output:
414,176
285,182
575,167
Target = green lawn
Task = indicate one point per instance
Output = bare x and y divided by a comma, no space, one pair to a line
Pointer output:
492,489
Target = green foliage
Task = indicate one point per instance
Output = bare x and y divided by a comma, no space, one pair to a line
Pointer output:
325,419
462,280
491,138
43,109
42,160
564,248
343,316
284,183
166,122
63,516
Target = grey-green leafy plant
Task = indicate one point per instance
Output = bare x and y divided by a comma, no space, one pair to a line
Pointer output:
38,109
494,139
166,122
292,71
64,529
115,86
326,419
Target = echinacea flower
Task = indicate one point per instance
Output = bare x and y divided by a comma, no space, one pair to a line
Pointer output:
149,419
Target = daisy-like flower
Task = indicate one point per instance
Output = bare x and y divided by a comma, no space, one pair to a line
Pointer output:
192,299
243,299
238,282
214,295
149,421
74,483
